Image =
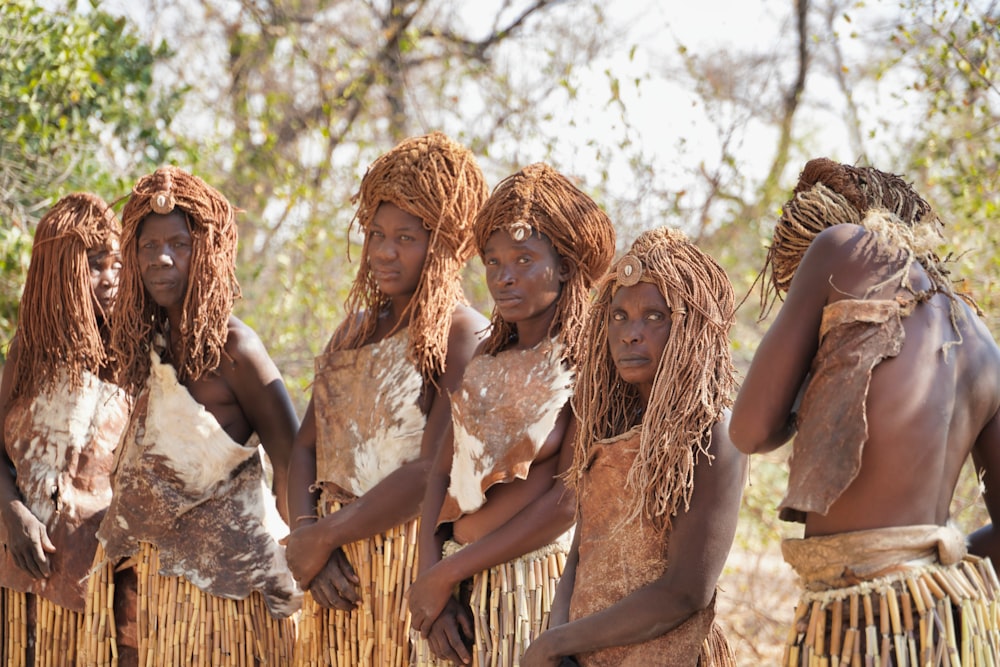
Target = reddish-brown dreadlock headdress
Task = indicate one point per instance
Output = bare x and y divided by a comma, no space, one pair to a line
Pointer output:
59,327
829,194
437,180
538,198
694,380
212,285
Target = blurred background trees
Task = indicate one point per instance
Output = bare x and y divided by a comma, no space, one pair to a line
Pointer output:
701,122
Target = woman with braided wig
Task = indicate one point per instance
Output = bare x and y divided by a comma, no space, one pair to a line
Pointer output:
191,511
496,517
658,482
62,417
888,380
381,402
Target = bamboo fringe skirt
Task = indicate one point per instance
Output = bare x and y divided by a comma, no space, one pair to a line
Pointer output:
510,605
35,631
376,633
929,616
179,624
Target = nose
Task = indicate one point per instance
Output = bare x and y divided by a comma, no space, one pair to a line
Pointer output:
631,332
504,275
383,251
109,276
164,256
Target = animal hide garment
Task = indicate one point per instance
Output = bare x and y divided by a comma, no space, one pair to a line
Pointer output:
62,446
182,485
502,414
368,418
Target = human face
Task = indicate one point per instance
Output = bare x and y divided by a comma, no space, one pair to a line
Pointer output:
524,277
105,262
397,248
638,330
165,251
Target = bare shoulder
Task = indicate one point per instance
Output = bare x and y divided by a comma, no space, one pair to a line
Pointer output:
467,321
245,352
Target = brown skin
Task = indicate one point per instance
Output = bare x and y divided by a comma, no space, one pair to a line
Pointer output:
700,537
27,538
246,393
926,412
397,249
525,279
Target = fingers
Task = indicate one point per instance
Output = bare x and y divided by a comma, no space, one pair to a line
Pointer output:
345,583
326,595
345,567
446,642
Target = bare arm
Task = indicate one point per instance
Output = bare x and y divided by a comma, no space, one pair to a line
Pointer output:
396,498
25,536
699,545
533,527
763,414
263,398
986,456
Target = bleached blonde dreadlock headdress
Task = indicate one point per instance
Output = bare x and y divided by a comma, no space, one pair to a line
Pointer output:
694,380
538,198
437,180
58,327
212,286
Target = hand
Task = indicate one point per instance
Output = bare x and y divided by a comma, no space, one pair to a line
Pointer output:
306,554
452,633
428,596
28,540
336,586
541,654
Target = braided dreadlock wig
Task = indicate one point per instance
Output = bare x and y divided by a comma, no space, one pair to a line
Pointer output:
693,384
538,198
58,325
212,286
829,194
437,180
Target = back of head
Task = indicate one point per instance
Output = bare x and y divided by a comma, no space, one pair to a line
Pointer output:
541,199
59,327
828,194
212,285
694,381
437,180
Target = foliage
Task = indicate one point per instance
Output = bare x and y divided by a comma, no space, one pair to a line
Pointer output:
76,91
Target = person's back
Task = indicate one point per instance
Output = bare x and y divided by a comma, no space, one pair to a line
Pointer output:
926,407
887,380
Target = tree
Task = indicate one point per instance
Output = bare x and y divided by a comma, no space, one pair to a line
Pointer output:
297,97
68,82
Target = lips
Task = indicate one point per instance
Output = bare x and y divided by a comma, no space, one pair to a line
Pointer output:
632,360
507,299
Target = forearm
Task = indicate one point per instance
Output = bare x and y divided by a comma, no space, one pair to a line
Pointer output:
985,542
393,501
301,501
534,527
432,536
646,614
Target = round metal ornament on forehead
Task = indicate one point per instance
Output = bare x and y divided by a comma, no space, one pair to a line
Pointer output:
629,271
519,230
163,202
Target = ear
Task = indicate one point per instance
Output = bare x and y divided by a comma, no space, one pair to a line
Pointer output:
565,269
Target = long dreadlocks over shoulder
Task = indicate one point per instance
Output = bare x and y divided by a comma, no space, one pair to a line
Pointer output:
437,180
694,381
212,286
538,198
59,327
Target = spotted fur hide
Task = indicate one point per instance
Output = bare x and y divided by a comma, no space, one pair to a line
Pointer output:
62,445
184,486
